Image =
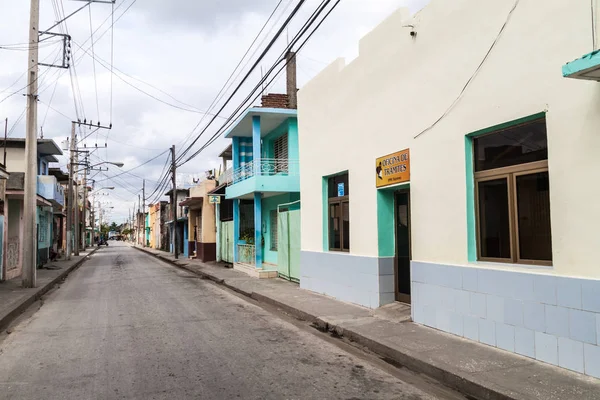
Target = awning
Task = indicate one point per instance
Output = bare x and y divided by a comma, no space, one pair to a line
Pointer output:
192,201
586,67
219,190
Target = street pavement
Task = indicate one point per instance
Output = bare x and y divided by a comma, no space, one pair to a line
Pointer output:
127,326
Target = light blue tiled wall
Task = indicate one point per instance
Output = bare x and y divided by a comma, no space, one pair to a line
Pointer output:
550,318
367,281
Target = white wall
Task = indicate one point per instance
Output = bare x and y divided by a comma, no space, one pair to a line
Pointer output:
15,160
399,86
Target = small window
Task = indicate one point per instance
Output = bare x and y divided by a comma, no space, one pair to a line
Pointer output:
513,195
280,153
273,222
226,210
280,147
338,213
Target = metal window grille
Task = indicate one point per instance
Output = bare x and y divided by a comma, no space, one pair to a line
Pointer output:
280,147
273,230
280,151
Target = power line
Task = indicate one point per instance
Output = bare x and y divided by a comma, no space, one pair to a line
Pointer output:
108,67
296,38
464,89
262,55
39,76
223,88
141,165
94,64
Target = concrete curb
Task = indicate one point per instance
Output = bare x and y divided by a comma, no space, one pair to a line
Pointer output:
453,379
9,317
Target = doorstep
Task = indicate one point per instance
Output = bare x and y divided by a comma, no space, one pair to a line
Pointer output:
251,270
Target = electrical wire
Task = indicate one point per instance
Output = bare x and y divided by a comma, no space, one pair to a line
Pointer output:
473,76
105,65
593,24
94,65
38,77
262,55
18,120
296,38
53,109
225,85
50,102
142,164
112,56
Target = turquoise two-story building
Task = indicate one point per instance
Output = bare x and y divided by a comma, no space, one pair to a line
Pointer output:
265,189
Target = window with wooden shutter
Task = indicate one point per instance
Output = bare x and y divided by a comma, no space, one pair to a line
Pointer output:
280,152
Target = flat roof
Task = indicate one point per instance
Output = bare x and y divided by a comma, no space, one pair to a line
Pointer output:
227,153
270,118
46,147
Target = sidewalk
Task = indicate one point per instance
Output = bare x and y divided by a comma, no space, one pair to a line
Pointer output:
472,368
14,299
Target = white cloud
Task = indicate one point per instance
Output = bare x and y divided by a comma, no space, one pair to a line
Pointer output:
187,48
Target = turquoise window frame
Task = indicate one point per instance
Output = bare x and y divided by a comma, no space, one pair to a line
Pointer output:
386,219
470,178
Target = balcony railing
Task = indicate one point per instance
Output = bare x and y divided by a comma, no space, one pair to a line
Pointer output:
226,176
246,253
265,167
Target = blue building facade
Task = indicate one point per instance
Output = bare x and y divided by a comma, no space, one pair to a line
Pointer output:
265,178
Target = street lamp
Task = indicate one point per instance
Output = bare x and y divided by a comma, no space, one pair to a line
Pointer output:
117,164
103,188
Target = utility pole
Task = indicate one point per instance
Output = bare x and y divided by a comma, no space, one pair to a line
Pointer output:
30,209
84,207
173,201
70,194
100,217
144,210
76,202
76,219
133,224
139,228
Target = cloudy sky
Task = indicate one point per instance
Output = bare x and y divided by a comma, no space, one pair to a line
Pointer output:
171,58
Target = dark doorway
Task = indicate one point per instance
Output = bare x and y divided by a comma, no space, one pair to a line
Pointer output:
403,253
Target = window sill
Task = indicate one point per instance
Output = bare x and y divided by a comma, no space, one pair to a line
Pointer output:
508,266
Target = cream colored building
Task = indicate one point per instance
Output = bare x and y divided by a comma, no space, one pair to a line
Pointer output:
201,239
491,233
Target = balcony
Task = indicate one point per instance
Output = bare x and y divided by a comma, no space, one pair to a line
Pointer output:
266,175
49,188
226,177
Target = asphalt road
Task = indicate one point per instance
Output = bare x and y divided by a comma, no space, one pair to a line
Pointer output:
127,326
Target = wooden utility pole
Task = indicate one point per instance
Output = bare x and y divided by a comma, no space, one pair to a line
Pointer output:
144,211
173,201
30,193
